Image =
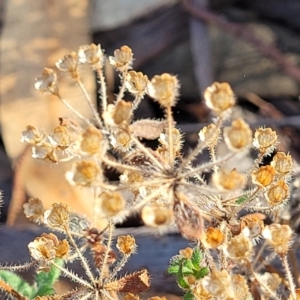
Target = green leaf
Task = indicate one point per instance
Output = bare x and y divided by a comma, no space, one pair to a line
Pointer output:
187,267
196,258
181,280
189,296
46,280
17,283
173,270
202,273
241,199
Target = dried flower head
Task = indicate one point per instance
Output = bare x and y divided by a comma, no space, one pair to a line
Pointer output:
47,82
282,163
186,252
279,237
218,284
110,203
210,135
251,225
85,173
46,151
34,210
91,141
239,248
69,64
91,54
122,112
122,59
126,244
164,89
46,248
219,97
238,137
32,135
136,83
278,193
229,181
214,237
264,176
157,216
121,141
61,137
57,216
265,140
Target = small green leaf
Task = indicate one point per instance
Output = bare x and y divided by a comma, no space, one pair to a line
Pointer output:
17,283
46,280
187,267
181,280
189,296
241,199
173,270
196,258
202,273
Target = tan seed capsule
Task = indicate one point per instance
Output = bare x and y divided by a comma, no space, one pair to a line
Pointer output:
229,181
265,140
238,137
219,97
214,237
136,83
264,176
164,89
210,135
110,203
126,244
122,59
91,140
122,112
282,163
156,216
278,193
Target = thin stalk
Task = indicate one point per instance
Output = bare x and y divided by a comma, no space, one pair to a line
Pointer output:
74,111
289,276
89,101
265,286
120,265
136,102
110,228
207,166
170,135
123,87
83,260
102,89
72,276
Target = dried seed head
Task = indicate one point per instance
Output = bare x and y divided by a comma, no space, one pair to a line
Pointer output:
122,112
219,97
110,203
62,249
91,142
84,173
45,151
214,237
282,163
136,83
122,141
164,89
69,64
210,135
47,82
57,216
238,137
157,216
122,59
126,244
34,210
229,181
239,248
264,176
252,225
91,54
32,135
278,193
265,140
240,287
218,284
279,237
62,137
148,129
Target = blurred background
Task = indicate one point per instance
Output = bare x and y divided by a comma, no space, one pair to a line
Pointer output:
252,44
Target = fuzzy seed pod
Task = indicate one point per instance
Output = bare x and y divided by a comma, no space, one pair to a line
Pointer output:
264,176
219,97
238,137
91,140
214,237
282,163
265,140
210,135
34,210
156,216
278,193
122,112
110,203
136,83
164,89
122,59
229,181
57,216
239,248
126,244
91,54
